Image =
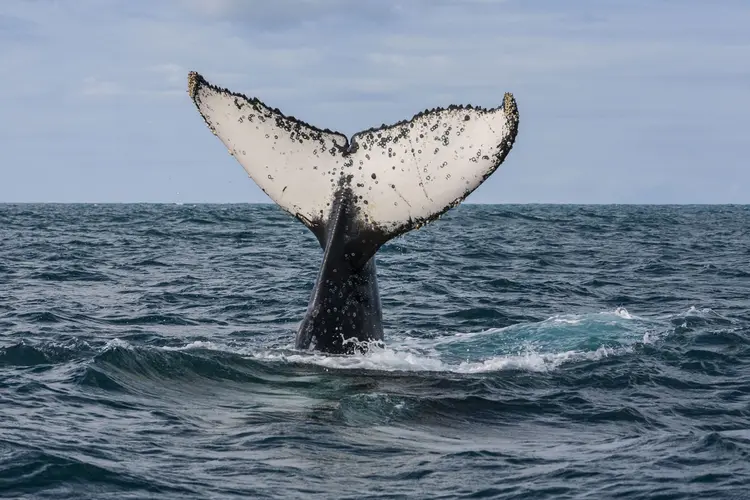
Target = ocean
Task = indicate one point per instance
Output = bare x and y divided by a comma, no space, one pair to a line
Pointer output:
532,352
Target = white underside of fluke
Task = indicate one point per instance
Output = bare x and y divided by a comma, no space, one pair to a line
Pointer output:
401,175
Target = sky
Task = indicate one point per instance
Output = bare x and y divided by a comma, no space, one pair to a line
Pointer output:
621,101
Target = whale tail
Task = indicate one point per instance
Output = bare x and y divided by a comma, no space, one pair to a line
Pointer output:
397,177
356,194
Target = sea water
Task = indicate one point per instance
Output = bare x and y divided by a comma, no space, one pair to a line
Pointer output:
534,352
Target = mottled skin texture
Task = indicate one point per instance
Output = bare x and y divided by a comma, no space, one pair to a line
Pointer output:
344,312
392,150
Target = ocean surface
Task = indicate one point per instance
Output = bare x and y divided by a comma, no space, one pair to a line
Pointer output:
532,352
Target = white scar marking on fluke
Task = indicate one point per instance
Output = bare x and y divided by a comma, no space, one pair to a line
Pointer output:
401,176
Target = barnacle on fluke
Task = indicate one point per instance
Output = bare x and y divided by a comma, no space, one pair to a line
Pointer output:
344,202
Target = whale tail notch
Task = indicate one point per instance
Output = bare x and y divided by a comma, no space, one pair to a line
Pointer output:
395,178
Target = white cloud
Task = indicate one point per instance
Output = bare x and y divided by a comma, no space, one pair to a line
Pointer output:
170,73
603,88
285,14
95,87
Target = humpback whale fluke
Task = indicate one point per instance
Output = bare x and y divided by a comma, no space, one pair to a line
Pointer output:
357,194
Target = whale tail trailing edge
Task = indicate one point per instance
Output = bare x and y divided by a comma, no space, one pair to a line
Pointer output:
396,177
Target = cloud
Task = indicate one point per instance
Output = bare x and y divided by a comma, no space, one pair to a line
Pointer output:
286,14
92,86
170,73
620,102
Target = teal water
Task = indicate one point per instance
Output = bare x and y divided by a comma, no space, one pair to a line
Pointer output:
146,351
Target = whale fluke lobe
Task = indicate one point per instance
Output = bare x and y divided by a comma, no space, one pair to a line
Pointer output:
357,194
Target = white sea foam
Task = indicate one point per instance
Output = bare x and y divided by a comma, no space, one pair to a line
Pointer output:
557,320
399,359
200,344
415,355
693,312
623,313
410,354
117,343
650,337
396,360
577,319
701,313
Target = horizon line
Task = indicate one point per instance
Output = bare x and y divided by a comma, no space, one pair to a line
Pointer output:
181,203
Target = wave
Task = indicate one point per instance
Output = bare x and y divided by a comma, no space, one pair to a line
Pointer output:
24,468
536,346
392,360
570,338
546,346
45,353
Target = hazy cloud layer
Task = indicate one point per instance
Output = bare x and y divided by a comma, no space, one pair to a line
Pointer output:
621,101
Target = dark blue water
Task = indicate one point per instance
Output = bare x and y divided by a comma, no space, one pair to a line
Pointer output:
532,352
